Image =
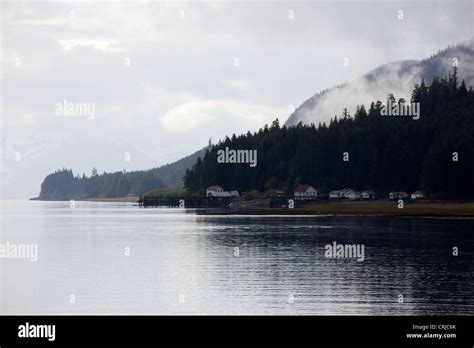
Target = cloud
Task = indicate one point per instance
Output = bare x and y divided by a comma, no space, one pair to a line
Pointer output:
101,45
224,114
53,22
238,84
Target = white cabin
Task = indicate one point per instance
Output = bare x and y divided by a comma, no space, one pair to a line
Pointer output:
354,195
398,195
336,194
417,195
305,192
217,191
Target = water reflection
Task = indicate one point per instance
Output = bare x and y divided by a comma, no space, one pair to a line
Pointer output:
184,263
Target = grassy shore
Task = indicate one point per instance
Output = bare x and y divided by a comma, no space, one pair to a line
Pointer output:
378,207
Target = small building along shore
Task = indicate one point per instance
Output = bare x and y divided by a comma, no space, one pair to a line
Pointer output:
351,194
336,194
346,193
417,195
398,195
340,194
305,192
354,195
218,191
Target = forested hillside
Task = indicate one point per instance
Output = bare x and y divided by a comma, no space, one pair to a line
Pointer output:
63,185
434,154
395,77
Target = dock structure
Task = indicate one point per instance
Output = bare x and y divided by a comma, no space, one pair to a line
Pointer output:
279,202
187,202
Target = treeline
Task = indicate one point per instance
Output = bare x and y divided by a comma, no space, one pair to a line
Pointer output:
434,154
64,185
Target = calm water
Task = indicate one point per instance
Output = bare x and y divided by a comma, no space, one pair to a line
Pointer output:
184,263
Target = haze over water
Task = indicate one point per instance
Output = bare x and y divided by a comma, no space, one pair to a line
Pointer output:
181,262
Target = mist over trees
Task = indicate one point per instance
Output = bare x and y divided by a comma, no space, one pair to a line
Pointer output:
396,77
385,153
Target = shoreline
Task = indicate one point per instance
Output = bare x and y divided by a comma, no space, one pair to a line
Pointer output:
128,199
343,208
364,208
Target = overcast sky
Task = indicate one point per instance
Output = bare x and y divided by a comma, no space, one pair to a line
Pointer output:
166,76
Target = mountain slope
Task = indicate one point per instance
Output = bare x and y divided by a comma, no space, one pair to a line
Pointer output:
397,78
172,174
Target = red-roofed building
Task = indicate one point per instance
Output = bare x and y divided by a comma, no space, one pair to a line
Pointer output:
305,192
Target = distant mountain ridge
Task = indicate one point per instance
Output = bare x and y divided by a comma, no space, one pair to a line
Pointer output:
396,77
63,185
